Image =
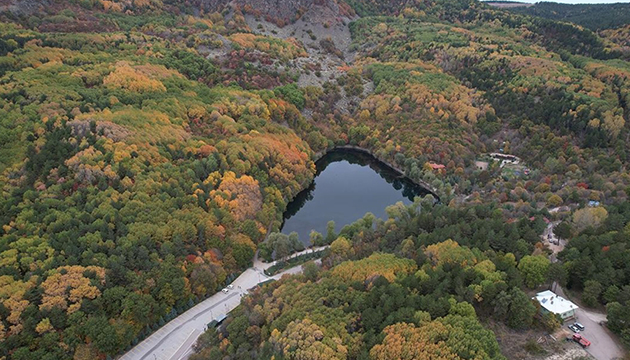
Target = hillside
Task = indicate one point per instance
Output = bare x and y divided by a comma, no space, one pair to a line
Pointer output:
147,149
592,16
619,36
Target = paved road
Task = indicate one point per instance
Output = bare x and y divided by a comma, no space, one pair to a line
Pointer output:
258,264
174,340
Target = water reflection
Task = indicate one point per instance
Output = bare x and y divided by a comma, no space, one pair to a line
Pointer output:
347,185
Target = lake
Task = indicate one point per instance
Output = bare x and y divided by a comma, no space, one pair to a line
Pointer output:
348,184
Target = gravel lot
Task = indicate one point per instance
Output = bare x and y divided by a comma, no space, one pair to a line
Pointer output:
603,343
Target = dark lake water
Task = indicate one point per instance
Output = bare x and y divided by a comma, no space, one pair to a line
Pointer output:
348,184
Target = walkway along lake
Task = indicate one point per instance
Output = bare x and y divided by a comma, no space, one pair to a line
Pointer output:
348,184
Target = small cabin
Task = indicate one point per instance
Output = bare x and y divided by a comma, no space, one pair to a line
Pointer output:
437,166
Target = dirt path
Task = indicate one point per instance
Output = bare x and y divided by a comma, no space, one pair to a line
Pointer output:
552,241
570,354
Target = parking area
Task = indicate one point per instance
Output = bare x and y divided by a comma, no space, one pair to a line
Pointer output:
603,344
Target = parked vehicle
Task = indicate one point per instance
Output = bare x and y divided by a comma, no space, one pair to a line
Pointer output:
574,328
230,286
214,324
225,291
581,340
579,326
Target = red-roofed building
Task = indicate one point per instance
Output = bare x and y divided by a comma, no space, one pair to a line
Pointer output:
437,166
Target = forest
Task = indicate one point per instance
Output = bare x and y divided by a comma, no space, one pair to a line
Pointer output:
384,298
149,148
593,16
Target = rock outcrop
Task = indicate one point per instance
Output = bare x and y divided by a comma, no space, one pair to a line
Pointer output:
280,12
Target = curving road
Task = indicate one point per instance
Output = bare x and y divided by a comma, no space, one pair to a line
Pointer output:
174,340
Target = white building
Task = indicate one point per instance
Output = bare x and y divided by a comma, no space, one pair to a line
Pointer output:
552,303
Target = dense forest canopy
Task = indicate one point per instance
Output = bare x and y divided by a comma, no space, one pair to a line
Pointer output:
148,148
593,16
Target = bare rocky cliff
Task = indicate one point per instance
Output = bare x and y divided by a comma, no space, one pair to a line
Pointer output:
22,7
280,12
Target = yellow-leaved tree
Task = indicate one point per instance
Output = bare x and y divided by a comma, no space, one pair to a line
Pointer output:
305,340
128,78
387,265
407,342
67,286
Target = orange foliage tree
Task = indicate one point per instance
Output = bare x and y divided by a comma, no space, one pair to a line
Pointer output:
241,195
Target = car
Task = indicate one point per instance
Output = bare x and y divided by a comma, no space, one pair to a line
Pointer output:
574,328
225,291
581,340
230,286
579,326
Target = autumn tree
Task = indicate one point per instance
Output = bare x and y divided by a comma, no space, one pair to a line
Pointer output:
126,77
451,337
303,339
342,247
449,251
589,217
68,286
386,265
406,342
241,195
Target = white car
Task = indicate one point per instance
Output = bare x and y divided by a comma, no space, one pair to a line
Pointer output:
225,291
230,286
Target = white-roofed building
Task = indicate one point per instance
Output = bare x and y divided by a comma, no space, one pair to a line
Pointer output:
552,303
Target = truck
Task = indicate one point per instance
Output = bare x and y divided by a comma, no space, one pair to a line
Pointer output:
581,340
216,322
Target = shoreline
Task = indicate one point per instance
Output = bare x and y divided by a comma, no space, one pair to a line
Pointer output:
321,154
350,148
